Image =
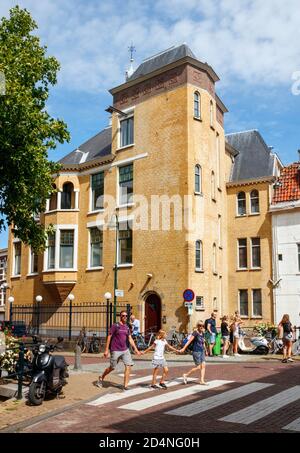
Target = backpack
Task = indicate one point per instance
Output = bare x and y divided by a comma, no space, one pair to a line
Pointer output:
206,322
118,328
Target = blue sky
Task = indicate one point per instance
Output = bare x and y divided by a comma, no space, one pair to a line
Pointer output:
253,46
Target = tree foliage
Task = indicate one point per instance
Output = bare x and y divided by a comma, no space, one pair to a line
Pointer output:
27,131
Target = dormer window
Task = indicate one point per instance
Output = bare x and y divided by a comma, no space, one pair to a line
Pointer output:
241,204
126,132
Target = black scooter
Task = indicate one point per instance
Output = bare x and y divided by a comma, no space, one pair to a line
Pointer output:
49,373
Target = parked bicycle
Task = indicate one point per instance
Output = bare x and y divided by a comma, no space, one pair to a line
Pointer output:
92,346
176,338
276,346
296,345
143,342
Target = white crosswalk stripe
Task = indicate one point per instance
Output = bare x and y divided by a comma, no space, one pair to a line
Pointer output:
294,426
112,397
265,407
177,394
217,400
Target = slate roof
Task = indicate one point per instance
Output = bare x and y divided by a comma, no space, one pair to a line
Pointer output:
162,59
287,187
96,147
255,159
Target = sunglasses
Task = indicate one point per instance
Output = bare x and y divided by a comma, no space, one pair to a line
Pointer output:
124,316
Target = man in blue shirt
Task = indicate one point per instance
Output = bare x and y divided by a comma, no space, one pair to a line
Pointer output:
212,331
135,326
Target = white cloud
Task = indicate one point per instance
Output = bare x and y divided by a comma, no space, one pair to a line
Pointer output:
257,42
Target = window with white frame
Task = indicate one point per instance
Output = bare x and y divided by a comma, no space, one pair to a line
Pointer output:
97,187
215,304
126,184
17,258
96,247
254,202
53,200
66,249
51,251
197,105
198,179
243,302
256,303
213,186
218,160
199,255
211,114
67,196
126,131
33,262
255,253
125,243
220,230
242,254
241,204
199,303
214,259
298,246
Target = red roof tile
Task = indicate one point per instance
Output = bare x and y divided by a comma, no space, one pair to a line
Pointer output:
288,185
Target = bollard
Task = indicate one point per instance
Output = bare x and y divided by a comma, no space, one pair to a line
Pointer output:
77,364
21,370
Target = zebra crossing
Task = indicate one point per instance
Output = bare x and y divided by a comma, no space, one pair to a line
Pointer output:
147,398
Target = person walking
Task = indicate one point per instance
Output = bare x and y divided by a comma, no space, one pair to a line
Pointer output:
235,326
225,336
286,332
212,332
199,351
159,360
117,343
135,326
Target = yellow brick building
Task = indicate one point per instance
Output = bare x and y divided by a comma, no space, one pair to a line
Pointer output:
163,172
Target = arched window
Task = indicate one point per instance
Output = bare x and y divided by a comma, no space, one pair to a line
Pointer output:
198,179
199,255
67,196
214,259
254,198
241,201
213,186
53,200
197,105
211,114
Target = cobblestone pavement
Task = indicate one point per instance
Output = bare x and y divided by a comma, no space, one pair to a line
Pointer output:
241,397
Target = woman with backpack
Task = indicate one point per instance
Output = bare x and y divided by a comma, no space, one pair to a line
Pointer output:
199,351
286,332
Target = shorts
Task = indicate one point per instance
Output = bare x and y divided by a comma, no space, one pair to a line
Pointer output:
159,363
199,357
225,338
124,356
236,335
212,338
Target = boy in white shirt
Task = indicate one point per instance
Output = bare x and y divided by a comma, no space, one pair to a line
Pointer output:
159,360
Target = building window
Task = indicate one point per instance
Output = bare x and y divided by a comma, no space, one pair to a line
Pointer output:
66,255
254,197
126,184
67,196
199,303
215,259
211,114
17,258
242,254
97,191
241,199
125,244
213,186
256,302
33,262
215,304
220,230
199,255
51,251
53,200
198,179
243,302
255,253
218,160
298,245
126,126
96,247
197,105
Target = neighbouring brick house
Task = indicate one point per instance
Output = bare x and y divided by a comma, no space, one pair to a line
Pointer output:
166,139
3,283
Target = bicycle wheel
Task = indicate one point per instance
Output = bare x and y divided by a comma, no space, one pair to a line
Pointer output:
95,347
296,348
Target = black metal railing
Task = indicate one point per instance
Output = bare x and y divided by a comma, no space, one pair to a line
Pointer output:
65,320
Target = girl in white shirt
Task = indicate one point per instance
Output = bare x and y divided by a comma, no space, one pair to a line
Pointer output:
159,360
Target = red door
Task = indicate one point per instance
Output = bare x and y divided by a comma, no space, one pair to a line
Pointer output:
152,313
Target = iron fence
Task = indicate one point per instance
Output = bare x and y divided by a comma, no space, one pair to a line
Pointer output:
66,320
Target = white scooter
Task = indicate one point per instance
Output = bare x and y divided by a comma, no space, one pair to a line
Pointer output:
259,345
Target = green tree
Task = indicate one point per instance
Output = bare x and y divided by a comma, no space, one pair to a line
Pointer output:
27,131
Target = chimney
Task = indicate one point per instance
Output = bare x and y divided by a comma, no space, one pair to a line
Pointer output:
298,155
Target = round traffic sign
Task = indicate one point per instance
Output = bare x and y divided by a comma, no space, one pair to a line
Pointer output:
188,295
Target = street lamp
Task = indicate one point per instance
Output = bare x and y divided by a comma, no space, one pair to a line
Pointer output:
39,299
11,299
107,296
116,225
71,297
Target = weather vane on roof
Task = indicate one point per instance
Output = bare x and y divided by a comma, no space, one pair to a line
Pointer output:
131,49
130,71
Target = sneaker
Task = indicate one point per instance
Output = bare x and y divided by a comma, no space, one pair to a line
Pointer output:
225,356
154,387
126,388
99,384
163,385
184,379
290,359
284,361
237,355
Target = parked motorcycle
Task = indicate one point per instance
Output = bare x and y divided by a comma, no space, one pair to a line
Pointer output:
49,373
259,345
